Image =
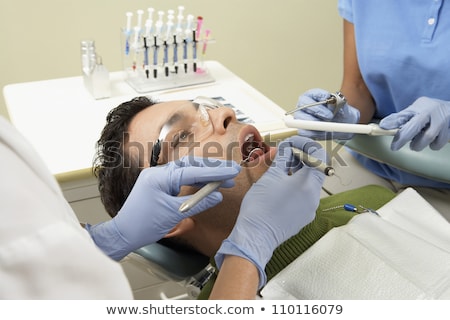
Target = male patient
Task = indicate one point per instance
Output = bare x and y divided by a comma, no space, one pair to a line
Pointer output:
137,129
142,133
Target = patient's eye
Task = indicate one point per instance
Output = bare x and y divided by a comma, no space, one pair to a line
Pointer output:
181,137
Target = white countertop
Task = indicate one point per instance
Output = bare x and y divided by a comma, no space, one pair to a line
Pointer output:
63,122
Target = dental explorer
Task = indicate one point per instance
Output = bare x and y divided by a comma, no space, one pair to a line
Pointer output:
335,99
210,187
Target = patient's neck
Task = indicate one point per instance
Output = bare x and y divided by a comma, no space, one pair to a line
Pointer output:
206,240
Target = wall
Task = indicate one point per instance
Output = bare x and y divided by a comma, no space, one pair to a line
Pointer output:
282,48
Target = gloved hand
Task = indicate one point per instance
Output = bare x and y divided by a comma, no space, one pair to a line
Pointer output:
151,209
347,114
276,207
425,122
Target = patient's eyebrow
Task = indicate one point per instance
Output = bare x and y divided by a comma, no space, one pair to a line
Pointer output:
174,118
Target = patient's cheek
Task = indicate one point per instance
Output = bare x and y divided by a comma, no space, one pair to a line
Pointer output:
185,190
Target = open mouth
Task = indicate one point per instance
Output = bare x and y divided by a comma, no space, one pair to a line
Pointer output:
252,147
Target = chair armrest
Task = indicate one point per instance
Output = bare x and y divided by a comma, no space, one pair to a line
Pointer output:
177,264
427,163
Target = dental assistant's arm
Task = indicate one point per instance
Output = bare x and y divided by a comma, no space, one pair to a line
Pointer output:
353,86
275,208
237,280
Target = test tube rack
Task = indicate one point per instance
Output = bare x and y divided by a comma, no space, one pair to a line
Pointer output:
166,53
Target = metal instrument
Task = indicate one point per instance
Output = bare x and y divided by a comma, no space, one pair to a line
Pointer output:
336,99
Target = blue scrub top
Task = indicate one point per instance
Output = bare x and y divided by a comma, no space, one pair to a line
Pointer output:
403,50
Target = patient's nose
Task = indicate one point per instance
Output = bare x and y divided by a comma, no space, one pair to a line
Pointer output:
221,118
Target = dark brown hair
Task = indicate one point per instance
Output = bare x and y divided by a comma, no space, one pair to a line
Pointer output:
115,169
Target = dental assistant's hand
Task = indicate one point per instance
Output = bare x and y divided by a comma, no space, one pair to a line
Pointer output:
425,123
151,209
347,114
276,207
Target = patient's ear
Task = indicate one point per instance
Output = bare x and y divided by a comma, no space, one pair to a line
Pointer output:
183,226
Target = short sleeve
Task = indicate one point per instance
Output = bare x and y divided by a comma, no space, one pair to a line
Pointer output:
345,9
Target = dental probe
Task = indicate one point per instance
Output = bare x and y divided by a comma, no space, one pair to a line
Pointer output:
207,189
312,162
335,99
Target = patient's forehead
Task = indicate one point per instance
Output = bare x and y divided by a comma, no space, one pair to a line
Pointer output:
145,127
148,122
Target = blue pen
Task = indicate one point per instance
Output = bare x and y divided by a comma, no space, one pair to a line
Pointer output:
350,207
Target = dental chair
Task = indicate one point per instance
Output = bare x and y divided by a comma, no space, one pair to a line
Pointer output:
189,269
427,163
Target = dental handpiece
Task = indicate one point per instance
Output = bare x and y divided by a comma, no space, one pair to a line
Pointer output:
335,99
199,195
312,162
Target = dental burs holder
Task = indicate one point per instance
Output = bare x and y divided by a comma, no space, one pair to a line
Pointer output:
163,55
307,159
95,74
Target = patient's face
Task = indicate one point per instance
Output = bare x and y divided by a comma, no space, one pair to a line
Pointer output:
186,127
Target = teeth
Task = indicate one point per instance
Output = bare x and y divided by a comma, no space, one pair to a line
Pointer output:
250,137
251,148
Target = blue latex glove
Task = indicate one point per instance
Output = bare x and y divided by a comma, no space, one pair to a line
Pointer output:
276,207
347,114
425,122
151,209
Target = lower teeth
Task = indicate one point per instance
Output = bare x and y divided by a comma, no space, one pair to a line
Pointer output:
249,157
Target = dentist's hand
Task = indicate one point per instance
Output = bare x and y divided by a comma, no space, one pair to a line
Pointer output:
425,122
276,207
347,114
151,209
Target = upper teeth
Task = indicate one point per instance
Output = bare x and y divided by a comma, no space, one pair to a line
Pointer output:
250,137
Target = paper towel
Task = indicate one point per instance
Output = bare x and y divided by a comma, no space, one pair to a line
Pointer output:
403,254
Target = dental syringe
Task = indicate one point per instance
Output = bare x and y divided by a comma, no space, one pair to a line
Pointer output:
307,159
